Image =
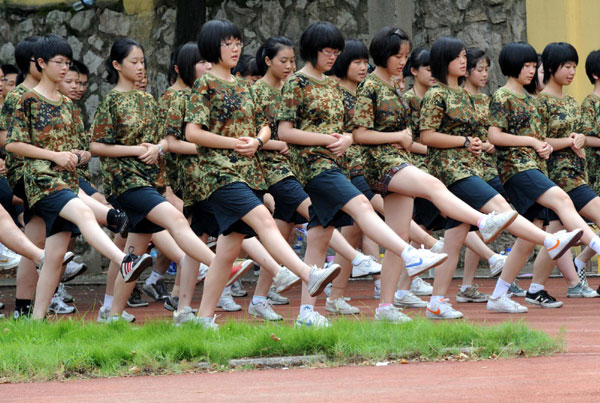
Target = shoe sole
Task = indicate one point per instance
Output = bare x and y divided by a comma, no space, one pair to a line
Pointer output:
501,230
140,305
340,312
240,272
494,274
279,303
137,272
79,273
265,319
501,311
583,296
463,299
334,273
410,305
572,242
286,287
156,299
412,274
441,317
534,302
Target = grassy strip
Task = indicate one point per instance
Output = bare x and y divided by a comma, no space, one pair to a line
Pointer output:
34,351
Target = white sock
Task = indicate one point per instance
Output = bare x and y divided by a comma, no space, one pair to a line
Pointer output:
533,288
153,277
492,261
377,283
595,244
108,299
464,287
401,293
257,298
579,265
435,300
306,308
501,289
359,258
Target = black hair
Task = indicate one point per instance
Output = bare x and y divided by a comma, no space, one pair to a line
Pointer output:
386,43
443,51
535,86
118,52
24,52
246,66
187,57
81,67
9,69
318,36
555,55
212,34
353,50
513,57
592,65
270,49
474,55
49,46
418,58
171,73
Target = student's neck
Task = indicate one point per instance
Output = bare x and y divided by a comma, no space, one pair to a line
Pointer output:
48,88
384,75
419,89
596,88
349,85
222,72
125,85
553,88
471,89
313,72
273,81
514,85
452,82
179,85
30,82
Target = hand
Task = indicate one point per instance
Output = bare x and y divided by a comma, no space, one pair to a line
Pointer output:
84,156
284,149
65,160
475,146
580,152
150,157
406,139
341,144
488,147
2,167
246,146
545,150
578,140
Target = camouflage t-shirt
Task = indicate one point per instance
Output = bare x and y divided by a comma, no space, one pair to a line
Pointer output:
83,143
275,165
313,106
49,125
380,107
560,118
227,109
590,111
414,111
516,114
481,102
130,119
14,163
171,107
450,111
352,162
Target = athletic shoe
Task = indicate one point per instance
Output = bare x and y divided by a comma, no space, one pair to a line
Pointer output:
207,323
156,291
127,317
438,245
581,290
172,270
418,286
227,303
410,300
472,294
184,316
120,224
423,259
543,299
581,274
495,223
124,317
135,300
327,290
515,290
319,278
443,310
506,305
73,270
390,313
496,268
104,315
9,260
377,292
58,307
262,309
202,272
558,243
171,303
340,306
366,267
63,294
66,260
312,319
238,271
237,289
134,265
284,280
276,299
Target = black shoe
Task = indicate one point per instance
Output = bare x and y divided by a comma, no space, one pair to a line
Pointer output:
135,299
134,265
156,291
1,305
171,303
543,299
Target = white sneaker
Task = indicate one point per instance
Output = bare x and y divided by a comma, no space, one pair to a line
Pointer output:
410,300
506,305
418,286
311,319
227,303
73,270
366,267
284,280
202,272
558,243
327,290
207,323
58,307
437,247
63,294
495,223
262,309
237,289
8,259
103,314
498,265
186,315
377,292
341,307
275,298
319,278
391,314
443,310
127,317
581,290
423,259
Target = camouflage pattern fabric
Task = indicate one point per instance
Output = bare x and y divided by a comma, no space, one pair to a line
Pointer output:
14,163
481,103
590,111
352,161
171,107
83,143
414,111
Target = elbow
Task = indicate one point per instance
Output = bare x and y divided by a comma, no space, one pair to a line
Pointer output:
425,137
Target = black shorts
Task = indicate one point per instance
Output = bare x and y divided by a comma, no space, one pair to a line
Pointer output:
49,208
382,185
19,191
6,194
288,195
475,192
329,192
232,202
361,184
497,185
580,196
87,188
425,213
523,190
203,219
137,203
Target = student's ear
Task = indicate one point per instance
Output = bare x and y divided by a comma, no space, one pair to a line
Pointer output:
413,71
268,61
595,77
116,65
40,64
176,68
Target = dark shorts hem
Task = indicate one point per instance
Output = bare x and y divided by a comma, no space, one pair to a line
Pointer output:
425,213
580,196
137,203
87,188
475,192
49,209
523,190
381,186
361,184
203,219
232,202
288,195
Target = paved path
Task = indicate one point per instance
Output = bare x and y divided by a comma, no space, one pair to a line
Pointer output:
571,376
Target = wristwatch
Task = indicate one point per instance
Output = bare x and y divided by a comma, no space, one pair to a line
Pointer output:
161,152
467,142
260,143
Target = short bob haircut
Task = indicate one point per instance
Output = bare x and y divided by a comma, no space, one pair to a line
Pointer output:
353,50
246,66
444,51
386,43
418,58
9,69
474,55
555,55
592,66
81,67
212,34
318,36
269,49
513,57
118,52
49,46
24,52
186,60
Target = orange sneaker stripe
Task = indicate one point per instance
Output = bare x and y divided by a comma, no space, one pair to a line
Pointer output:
555,246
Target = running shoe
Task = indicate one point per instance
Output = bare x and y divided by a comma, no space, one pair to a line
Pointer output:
472,294
73,270
135,300
420,260
495,223
418,286
238,270
438,245
263,310
186,315
311,319
340,306
63,294
202,272
442,310
496,268
237,289
366,267
515,290
156,291
134,265
275,298
227,303
58,307
558,243
409,300
505,304
543,299
284,280
390,313
581,290
319,278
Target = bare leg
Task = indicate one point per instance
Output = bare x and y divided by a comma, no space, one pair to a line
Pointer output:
352,234
453,241
113,268
56,247
470,267
15,240
316,249
27,275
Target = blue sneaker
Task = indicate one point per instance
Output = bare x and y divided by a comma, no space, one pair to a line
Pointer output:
172,270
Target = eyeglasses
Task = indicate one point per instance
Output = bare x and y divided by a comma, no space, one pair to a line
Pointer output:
233,45
61,63
330,53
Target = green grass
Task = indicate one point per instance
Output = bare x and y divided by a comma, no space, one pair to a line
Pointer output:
36,351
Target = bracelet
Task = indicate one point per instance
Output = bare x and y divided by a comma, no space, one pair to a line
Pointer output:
260,143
